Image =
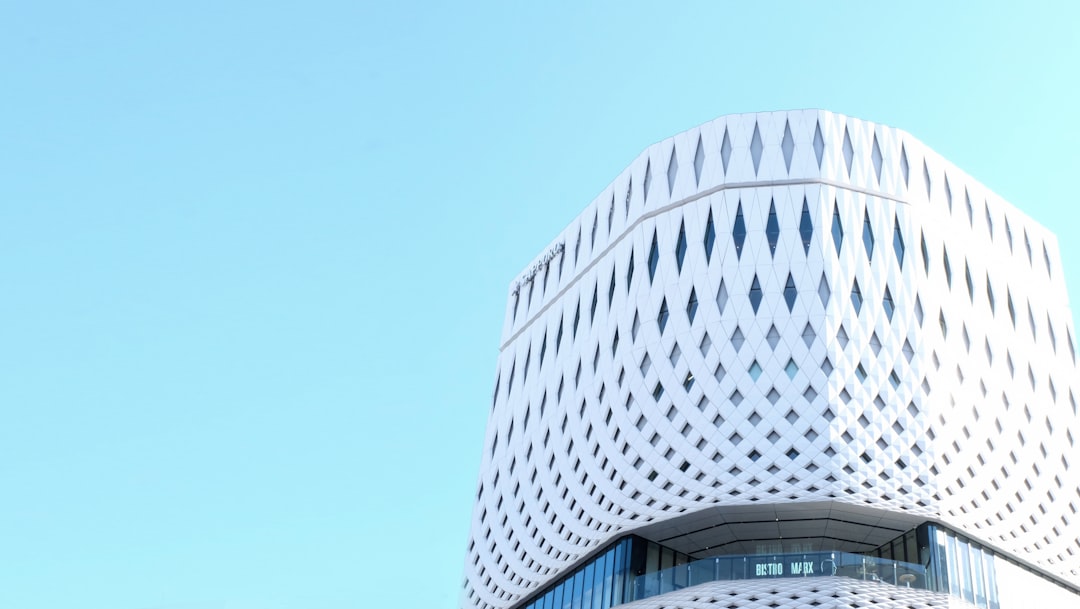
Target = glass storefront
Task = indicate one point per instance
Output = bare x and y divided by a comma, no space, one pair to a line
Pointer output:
929,557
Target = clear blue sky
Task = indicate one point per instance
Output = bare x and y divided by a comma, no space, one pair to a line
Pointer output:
254,255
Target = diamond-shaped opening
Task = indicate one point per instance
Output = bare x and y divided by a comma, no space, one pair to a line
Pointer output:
898,242
636,326
725,150
790,292
948,267
692,305
791,368
773,396
629,193
894,379
773,337
904,168
721,297
754,370
738,231
787,146
926,177
819,144
808,335
868,236
806,227
611,213
823,290
842,337
654,258
755,294
706,343
791,417
672,171
611,289
967,279
754,455
970,211
756,148
699,160
737,338
630,271
719,373
837,228
735,398
772,229
909,353
710,237
849,151
948,192
680,247
688,382
792,454
662,317
875,343
810,394
856,297
658,391
648,180
675,355
646,365
887,304
755,418
875,157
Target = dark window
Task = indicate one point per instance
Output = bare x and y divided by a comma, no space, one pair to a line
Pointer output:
806,227
755,294
692,305
856,297
630,271
868,236
887,304
837,229
680,246
898,242
654,258
790,293
662,317
710,237
772,229
739,231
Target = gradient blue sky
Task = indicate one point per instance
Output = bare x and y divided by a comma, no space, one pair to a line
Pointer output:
254,255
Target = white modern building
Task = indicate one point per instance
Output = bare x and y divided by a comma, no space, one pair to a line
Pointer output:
787,359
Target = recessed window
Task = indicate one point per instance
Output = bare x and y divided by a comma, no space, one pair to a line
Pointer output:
791,368
898,242
948,268
755,370
772,229
755,294
680,247
654,258
806,227
710,237
692,305
856,297
887,304
630,271
662,317
738,232
868,236
790,293
837,229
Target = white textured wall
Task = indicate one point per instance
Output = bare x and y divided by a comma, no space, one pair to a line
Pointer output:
974,425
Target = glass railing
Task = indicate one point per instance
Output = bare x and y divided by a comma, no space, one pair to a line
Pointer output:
772,566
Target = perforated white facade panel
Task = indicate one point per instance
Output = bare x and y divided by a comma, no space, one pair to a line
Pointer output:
774,312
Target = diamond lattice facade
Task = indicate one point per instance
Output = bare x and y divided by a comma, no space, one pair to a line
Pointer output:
780,349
